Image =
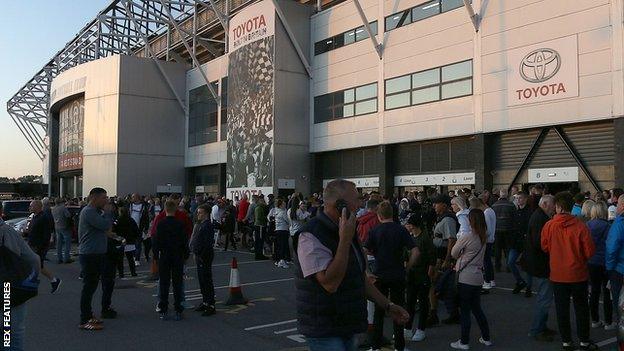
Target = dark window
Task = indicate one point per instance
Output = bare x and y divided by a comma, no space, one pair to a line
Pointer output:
202,116
346,103
342,39
420,12
441,83
224,87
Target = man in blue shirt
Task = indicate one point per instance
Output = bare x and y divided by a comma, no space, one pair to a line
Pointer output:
615,256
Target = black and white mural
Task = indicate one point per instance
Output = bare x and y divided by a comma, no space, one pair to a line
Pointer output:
250,101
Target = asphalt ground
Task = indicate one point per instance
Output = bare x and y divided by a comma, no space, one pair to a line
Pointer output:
266,323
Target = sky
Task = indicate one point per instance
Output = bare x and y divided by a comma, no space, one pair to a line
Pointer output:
31,32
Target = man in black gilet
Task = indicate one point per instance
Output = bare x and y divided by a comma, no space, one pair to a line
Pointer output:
331,282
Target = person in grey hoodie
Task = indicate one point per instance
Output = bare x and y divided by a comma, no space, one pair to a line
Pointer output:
13,241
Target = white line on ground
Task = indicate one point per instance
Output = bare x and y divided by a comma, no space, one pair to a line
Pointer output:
607,342
245,284
284,331
220,265
270,325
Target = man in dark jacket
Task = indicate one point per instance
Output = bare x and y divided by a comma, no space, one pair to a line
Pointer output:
505,212
39,232
202,245
330,279
536,264
170,251
521,225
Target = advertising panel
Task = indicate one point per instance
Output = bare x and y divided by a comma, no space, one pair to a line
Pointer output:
71,133
251,101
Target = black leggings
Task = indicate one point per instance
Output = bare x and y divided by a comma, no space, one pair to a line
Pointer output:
120,266
282,251
598,280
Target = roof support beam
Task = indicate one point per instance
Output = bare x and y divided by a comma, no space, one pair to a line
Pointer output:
473,16
293,39
373,38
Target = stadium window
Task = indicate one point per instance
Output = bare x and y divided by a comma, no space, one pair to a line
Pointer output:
343,39
346,103
440,83
420,12
202,116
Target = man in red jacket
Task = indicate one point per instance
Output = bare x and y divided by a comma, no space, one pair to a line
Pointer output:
569,243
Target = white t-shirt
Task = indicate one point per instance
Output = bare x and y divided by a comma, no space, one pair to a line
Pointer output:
135,213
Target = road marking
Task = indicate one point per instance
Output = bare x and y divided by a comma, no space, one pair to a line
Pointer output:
606,342
245,284
297,338
270,325
284,331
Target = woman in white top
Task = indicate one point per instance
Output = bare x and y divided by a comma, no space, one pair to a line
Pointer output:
461,212
297,216
282,226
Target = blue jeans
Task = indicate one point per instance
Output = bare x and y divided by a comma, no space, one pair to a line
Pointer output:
544,300
63,244
513,267
615,278
18,327
332,344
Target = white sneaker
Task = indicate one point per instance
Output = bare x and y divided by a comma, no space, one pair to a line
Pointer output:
493,284
372,349
407,333
137,263
612,326
157,308
459,346
485,342
596,324
486,286
282,264
419,335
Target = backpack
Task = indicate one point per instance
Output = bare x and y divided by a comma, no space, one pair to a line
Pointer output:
22,277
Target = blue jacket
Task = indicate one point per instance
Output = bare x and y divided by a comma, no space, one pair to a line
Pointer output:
599,229
615,246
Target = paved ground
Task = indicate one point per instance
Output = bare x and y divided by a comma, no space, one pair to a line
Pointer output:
267,323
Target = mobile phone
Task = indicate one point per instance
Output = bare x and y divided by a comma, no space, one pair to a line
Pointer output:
340,204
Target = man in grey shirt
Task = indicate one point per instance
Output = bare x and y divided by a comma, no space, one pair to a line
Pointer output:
12,240
93,230
62,226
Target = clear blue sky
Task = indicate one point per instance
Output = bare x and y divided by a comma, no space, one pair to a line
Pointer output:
31,32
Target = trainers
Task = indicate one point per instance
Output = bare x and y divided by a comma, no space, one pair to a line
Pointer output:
486,286
282,264
407,333
596,324
589,345
56,284
459,346
485,342
210,310
493,284
201,308
109,313
519,287
158,307
419,335
137,263
568,346
610,326
162,316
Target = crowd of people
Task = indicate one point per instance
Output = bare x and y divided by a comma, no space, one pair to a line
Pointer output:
356,257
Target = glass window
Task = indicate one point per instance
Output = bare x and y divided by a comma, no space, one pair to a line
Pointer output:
425,95
349,95
361,33
349,37
461,88
202,116
373,26
348,110
425,10
365,107
398,20
425,78
398,84
448,5
338,41
323,46
366,92
322,108
398,100
457,71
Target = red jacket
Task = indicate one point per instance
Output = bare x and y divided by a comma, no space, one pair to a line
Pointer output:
569,243
179,215
243,206
365,223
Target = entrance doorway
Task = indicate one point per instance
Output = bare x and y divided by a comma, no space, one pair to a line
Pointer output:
553,188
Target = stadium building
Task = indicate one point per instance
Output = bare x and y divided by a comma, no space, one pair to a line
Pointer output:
274,96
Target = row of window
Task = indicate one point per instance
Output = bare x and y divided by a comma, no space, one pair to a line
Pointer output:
346,103
396,20
440,83
342,39
420,12
203,115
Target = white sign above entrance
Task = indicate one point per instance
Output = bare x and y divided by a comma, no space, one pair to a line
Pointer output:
543,72
368,182
435,179
553,175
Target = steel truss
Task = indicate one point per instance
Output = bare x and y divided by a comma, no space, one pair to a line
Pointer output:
145,28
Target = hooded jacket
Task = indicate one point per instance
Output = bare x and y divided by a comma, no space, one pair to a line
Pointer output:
599,228
568,241
365,223
615,246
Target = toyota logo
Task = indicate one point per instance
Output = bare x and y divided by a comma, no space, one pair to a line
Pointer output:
540,65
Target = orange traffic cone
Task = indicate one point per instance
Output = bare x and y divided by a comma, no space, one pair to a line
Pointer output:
236,294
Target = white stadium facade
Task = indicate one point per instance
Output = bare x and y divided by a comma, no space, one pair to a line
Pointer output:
274,96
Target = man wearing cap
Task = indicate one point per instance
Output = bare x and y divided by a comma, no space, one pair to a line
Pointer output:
444,237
